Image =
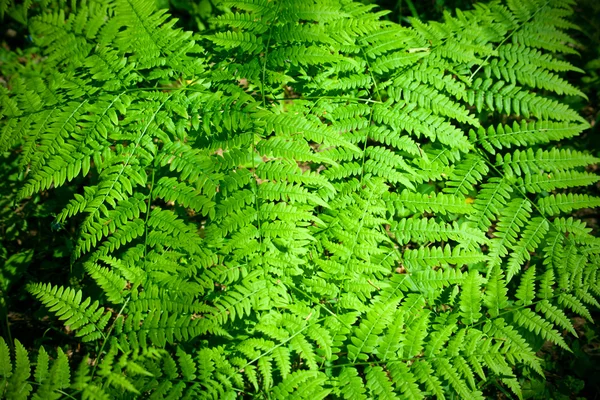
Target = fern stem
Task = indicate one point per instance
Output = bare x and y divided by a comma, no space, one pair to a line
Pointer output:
112,326
255,183
146,220
362,169
334,98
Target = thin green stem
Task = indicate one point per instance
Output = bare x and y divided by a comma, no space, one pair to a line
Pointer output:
147,217
112,326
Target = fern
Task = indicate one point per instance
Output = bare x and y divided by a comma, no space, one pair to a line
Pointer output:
306,201
367,334
81,314
51,378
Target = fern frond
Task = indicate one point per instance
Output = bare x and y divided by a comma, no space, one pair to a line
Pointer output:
351,384
501,368
426,375
570,301
533,234
445,369
408,88
239,301
516,65
493,196
466,174
176,192
231,40
396,60
56,379
437,256
566,202
365,338
438,338
495,298
111,283
391,343
524,134
555,315
530,163
89,319
379,383
294,381
509,98
415,335
512,219
526,290
304,349
430,230
557,180
533,322
289,206
522,350
159,328
470,299
409,202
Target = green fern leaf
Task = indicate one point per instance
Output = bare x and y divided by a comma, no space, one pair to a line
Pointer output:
391,343
415,202
511,221
533,234
557,180
426,375
495,298
555,315
89,319
466,174
293,382
379,383
305,351
366,336
230,40
112,284
470,299
312,158
18,387
529,163
524,134
436,256
281,355
446,370
526,291
561,202
570,301
523,351
415,335
492,197
351,385
533,322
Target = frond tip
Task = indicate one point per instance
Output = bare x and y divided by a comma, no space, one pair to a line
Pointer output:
87,318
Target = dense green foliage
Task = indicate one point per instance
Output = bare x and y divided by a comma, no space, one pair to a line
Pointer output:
305,200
